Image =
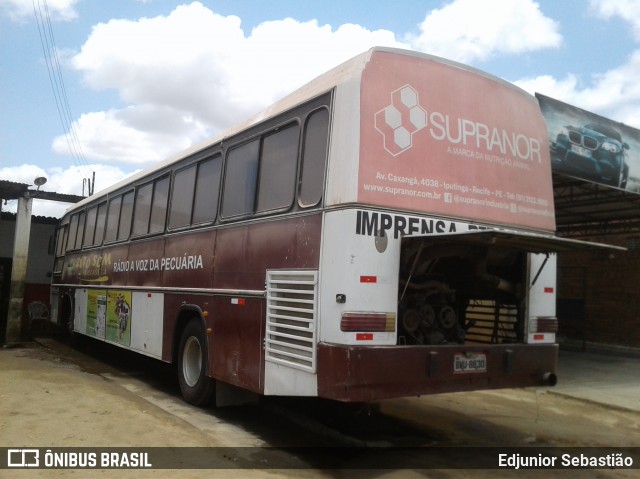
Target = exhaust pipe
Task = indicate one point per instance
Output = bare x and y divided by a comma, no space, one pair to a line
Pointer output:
549,379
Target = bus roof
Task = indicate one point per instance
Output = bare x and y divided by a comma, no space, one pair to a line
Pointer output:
350,70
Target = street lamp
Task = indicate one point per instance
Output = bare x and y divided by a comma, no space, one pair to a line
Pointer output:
39,181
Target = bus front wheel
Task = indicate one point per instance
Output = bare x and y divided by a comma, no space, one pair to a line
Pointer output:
196,387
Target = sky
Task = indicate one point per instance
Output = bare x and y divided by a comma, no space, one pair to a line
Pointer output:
111,87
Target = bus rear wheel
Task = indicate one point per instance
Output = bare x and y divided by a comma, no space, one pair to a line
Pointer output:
196,387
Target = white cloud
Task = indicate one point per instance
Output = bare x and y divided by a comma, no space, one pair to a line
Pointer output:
138,134
194,72
614,94
471,30
21,10
61,180
188,74
550,86
628,10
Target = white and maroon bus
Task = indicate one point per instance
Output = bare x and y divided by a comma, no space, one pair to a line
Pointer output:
384,231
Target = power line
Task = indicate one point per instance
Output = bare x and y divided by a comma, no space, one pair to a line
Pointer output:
63,90
57,82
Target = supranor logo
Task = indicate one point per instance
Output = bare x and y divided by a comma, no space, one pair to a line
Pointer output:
399,121
404,117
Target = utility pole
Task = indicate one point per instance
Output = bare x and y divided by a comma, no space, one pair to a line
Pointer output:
19,269
90,183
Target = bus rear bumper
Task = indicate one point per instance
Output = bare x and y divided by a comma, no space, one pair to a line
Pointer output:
370,373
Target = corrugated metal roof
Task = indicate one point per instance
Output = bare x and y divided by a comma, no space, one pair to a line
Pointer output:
10,190
585,208
8,216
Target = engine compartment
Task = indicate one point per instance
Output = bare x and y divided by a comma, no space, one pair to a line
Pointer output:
457,293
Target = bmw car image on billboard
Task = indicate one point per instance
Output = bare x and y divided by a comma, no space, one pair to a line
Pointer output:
591,147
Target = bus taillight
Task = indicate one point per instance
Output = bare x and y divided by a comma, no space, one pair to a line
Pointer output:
543,329
544,324
371,322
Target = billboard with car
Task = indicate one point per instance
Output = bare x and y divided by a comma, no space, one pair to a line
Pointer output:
591,147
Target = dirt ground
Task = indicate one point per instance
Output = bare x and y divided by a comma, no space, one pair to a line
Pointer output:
57,397
49,400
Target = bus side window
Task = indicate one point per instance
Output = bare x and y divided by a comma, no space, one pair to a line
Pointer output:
92,214
314,158
207,190
182,197
278,162
142,209
61,241
76,231
73,231
159,205
150,210
81,226
61,246
126,212
102,214
113,217
240,177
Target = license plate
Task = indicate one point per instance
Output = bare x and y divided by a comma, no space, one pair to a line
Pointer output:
470,363
580,150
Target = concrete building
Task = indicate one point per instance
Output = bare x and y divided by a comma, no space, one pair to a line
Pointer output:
26,256
39,265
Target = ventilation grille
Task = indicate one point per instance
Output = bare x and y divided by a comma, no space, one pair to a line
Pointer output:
291,318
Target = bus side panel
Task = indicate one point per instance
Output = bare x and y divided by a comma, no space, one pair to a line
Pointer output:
174,303
147,309
115,265
244,253
146,256
236,354
188,260
242,256
80,310
187,263
357,373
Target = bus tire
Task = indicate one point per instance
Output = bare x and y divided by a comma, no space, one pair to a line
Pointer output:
196,387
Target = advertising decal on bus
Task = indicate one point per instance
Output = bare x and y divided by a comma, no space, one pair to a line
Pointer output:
486,160
96,313
97,268
109,315
373,223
